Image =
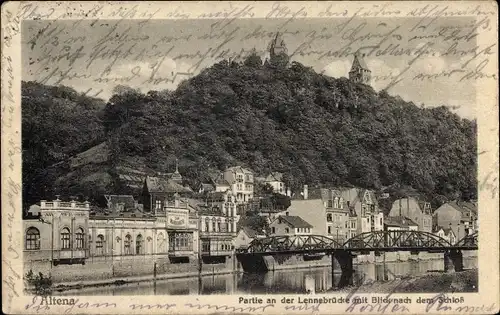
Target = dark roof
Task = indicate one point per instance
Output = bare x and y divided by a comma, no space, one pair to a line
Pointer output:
296,221
207,187
127,201
401,221
464,206
274,177
446,231
157,184
216,196
208,210
359,62
221,181
250,232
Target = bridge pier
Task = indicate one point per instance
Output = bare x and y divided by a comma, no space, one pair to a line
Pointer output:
453,261
345,260
253,263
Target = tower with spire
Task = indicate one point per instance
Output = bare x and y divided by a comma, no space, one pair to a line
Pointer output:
359,71
277,51
176,176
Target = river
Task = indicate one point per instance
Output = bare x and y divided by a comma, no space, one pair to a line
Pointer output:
316,280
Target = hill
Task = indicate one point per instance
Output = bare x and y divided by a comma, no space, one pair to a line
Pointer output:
314,128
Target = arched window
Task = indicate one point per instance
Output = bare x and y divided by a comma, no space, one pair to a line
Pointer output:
79,238
160,243
207,224
32,238
99,245
65,239
138,244
126,244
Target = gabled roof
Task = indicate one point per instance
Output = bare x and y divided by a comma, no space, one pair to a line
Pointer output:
359,62
220,181
157,184
329,194
216,196
446,231
400,221
207,187
464,206
295,221
250,232
239,169
127,201
274,177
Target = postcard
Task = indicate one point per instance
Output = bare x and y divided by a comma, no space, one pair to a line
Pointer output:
250,157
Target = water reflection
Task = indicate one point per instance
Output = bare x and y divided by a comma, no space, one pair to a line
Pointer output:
314,280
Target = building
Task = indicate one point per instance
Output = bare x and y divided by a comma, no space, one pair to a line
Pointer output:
275,180
337,215
310,206
278,52
419,211
170,231
220,184
290,225
157,190
217,224
241,183
460,216
359,70
362,206
446,233
121,203
399,223
245,236
207,188
72,232
57,232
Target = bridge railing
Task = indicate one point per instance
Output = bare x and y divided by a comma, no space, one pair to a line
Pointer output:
376,240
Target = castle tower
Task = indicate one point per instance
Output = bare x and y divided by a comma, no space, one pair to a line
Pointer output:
278,52
277,46
359,70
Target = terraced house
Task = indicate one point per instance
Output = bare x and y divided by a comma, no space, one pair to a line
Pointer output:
241,183
419,211
217,224
364,210
460,216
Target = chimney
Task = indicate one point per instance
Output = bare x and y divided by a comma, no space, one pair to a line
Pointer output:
306,193
177,201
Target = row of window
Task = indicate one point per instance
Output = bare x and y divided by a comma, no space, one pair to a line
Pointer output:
207,247
181,241
218,226
329,217
287,230
337,203
33,239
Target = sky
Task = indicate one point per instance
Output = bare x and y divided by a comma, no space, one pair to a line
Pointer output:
427,63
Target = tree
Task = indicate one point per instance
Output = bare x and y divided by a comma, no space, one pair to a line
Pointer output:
253,60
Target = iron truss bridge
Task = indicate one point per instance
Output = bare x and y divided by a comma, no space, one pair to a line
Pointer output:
382,241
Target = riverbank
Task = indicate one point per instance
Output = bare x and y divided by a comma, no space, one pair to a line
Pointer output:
97,274
464,281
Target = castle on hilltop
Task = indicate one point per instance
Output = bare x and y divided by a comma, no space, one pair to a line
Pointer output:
278,53
359,70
